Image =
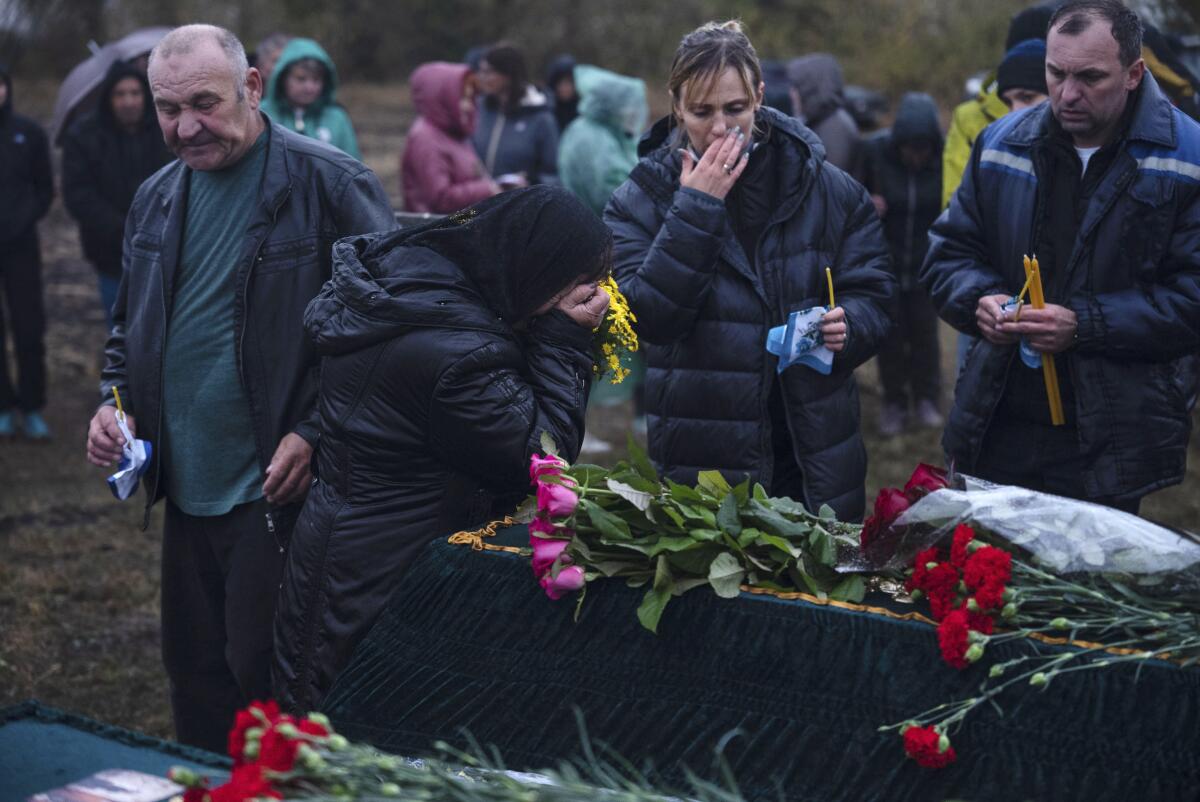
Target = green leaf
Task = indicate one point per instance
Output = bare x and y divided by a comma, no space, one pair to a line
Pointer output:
760,493
692,561
610,526
683,492
705,534
588,475
824,550
748,536
674,515
713,482
826,513
674,544
779,543
850,589
637,498
741,491
662,574
727,515
548,444
803,581
641,462
774,520
682,586
527,511
725,575
650,611
637,581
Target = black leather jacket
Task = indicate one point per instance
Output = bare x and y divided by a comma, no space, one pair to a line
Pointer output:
311,195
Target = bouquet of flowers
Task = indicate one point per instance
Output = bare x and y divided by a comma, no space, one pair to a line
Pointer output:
586,522
615,339
1000,564
277,756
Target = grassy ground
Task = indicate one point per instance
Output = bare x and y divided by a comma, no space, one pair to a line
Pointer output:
79,578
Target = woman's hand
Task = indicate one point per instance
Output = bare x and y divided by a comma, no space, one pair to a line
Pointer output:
586,305
833,329
719,168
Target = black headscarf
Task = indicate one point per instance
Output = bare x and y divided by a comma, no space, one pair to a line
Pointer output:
520,248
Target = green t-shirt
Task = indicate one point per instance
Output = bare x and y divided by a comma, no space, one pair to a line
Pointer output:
210,459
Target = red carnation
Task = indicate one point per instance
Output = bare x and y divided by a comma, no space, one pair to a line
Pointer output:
921,743
277,752
310,727
980,622
924,480
246,782
953,638
987,571
252,716
920,575
963,535
195,794
942,587
987,566
889,505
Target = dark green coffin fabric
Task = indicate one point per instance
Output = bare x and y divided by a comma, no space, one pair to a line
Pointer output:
43,748
470,642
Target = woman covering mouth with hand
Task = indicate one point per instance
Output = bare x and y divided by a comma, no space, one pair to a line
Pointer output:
724,228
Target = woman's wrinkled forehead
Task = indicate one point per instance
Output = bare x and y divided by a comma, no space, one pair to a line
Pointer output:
706,87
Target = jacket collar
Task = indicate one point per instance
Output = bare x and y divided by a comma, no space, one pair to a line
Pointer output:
276,181
1153,120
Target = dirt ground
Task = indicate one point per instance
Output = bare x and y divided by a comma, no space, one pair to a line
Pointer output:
79,578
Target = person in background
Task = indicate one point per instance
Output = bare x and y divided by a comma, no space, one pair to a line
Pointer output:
449,351
439,170
1100,184
26,189
302,96
266,55
516,135
1177,81
237,235
560,83
599,149
778,91
903,171
1021,76
106,157
817,101
726,226
971,117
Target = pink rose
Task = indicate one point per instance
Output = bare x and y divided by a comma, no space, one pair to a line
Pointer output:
569,580
556,501
544,526
545,552
541,466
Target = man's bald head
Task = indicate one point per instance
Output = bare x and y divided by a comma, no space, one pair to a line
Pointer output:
190,38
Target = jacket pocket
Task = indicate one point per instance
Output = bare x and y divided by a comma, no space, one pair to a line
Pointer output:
1146,226
278,256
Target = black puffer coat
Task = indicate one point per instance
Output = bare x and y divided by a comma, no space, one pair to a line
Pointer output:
703,311
431,406
103,166
914,197
26,183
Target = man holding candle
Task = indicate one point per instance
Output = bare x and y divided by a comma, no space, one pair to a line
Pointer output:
1103,185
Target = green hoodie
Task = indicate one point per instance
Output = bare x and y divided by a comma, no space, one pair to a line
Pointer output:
598,149
325,119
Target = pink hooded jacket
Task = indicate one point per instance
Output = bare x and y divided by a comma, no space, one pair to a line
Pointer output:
440,171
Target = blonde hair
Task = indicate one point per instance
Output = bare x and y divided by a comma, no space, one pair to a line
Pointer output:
703,56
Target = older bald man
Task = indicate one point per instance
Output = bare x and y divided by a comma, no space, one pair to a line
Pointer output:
224,248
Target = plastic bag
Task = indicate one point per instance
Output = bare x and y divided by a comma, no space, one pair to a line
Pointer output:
1062,535
135,458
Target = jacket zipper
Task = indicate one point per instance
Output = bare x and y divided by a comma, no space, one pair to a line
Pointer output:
910,227
494,143
271,529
